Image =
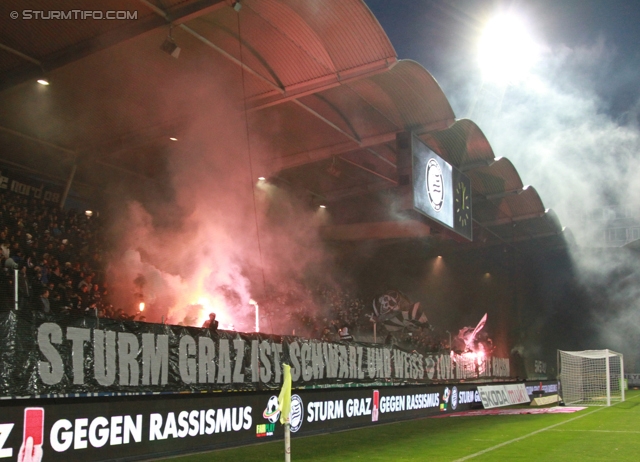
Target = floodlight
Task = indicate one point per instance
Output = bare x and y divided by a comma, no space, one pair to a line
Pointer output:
170,47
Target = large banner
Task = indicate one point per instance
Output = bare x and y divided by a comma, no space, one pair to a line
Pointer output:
144,427
21,184
64,355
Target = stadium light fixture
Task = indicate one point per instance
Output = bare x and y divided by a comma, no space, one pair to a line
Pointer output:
506,49
42,79
169,46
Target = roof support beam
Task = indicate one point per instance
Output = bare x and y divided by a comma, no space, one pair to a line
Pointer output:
27,169
231,58
362,167
72,153
500,195
378,230
353,138
20,54
320,84
278,179
316,155
507,220
476,164
357,190
38,141
500,238
127,171
381,157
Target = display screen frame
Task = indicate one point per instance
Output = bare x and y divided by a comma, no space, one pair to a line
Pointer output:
441,192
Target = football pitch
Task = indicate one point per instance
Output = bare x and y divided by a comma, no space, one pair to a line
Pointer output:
595,433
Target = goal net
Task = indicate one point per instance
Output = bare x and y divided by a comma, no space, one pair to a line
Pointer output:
591,377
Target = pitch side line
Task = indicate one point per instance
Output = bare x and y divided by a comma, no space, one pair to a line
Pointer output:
600,431
520,438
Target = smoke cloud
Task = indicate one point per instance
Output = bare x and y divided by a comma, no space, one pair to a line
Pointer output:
560,129
209,245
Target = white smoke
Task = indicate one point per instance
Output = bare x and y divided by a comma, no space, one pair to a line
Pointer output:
558,128
555,128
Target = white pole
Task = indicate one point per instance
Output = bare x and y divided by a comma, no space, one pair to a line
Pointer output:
257,319
608,379
254,303
622,377
16,291
287,442
375,339
559,375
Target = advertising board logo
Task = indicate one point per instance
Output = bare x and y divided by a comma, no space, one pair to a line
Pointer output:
32,436
296,416
454,398
263,430
271,412
434,184
445,399
31,450
376,406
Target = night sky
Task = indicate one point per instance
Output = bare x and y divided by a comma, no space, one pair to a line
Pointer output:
442,36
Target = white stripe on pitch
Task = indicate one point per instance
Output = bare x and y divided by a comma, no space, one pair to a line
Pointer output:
600,431
520,438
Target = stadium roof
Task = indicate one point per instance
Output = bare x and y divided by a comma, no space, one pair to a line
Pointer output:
329,76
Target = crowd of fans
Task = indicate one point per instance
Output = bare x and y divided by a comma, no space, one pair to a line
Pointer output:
58,256
320,312
331,313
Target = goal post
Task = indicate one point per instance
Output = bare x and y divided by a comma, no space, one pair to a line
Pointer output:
591,377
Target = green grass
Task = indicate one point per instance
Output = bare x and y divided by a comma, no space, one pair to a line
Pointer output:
596,433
